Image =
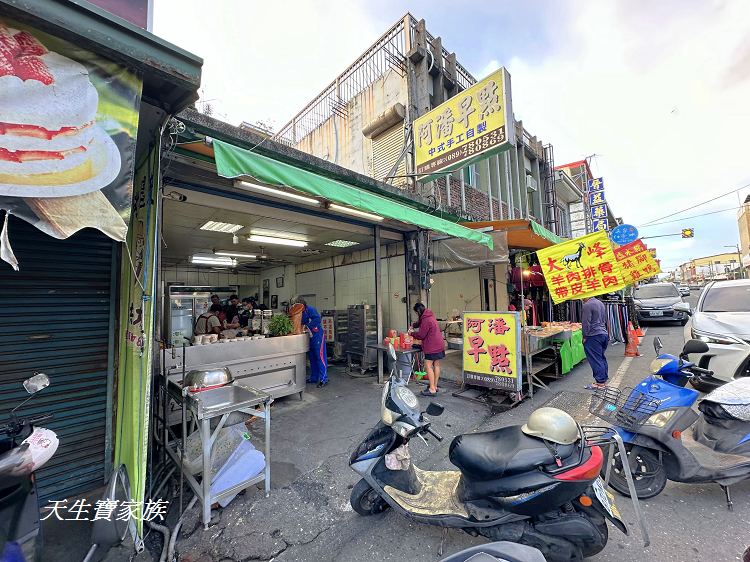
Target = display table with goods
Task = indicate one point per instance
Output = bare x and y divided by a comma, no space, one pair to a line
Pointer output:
276,365
218,463
569,341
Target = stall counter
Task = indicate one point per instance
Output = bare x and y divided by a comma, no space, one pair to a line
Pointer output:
273,365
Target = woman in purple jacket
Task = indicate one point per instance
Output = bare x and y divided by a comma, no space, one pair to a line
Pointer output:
433,347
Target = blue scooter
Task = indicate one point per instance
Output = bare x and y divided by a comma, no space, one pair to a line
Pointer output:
666,439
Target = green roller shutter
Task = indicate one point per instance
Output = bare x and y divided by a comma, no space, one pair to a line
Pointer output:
55,318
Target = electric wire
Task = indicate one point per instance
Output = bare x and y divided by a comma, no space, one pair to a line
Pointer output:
692,217
697,205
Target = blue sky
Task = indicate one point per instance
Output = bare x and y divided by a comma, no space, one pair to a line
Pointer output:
658,90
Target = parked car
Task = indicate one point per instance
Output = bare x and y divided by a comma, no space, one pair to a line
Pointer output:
684,290
655,303
722,320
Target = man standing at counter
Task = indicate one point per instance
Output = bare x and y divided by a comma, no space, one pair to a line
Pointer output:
317,352
208,322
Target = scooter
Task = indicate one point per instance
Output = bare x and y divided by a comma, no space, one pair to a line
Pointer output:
19,506
509,486
666,439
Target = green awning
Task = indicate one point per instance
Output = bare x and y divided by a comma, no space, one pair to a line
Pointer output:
233,162
544,233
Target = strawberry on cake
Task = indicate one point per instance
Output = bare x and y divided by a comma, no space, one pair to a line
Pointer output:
48,105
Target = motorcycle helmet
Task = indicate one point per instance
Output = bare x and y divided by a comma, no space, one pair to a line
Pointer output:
553,425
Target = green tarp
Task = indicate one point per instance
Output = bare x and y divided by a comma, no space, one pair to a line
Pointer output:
539,230
233,162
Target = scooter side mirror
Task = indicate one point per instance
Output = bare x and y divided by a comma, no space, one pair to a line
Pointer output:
434,409
38,382
657,345
694,346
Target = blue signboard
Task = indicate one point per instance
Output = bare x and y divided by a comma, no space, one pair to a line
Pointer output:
599,225
596,184
624,234
596,198
599,212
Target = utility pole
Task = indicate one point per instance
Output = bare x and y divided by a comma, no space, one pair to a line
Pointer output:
739,257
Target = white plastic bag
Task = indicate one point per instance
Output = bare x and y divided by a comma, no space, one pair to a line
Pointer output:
399,459
245,462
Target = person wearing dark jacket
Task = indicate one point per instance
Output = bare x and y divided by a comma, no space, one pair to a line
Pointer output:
427,331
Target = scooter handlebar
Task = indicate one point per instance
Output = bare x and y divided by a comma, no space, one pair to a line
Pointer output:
434,433
701,371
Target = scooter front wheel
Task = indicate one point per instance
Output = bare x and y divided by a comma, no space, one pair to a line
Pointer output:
365,500
649,475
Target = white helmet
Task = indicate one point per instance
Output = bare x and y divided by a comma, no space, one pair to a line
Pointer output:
553,425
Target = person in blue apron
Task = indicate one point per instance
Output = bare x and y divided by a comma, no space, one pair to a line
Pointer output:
317,352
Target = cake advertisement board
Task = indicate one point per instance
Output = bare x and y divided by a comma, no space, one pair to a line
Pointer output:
68,128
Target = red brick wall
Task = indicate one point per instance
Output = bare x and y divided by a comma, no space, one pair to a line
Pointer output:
477,207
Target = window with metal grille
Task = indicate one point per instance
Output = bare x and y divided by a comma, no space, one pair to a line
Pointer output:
386,149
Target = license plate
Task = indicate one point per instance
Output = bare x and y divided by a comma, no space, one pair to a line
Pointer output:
656,313
605,498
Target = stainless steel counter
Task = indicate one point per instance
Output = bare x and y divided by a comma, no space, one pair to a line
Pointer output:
273,365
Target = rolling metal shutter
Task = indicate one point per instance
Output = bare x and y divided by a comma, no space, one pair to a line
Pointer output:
386,149
56,317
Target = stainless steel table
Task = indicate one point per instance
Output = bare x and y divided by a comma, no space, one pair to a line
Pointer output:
209,404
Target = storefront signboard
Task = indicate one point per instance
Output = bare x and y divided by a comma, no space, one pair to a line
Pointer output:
492,350
68,127
600,225
624,234
580,268
470,126
595,184
636,262
135,347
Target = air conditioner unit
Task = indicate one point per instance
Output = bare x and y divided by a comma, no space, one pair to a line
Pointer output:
530,183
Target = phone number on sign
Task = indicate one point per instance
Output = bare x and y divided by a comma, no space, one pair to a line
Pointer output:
471,148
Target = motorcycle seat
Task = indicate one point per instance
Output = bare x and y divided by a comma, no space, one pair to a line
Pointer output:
502,452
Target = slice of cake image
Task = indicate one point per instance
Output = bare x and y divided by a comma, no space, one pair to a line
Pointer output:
50,142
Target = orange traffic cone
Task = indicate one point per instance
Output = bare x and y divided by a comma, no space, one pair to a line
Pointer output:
631,348
632,333
639,332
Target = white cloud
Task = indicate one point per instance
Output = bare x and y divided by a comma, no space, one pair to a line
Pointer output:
661,97
266,60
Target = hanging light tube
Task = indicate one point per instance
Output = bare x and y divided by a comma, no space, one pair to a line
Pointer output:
356,212
242,184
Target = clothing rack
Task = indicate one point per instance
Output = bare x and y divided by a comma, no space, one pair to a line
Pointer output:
618,318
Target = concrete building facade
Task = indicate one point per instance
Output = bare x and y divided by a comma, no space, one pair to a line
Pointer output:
717,267
363,121
743,226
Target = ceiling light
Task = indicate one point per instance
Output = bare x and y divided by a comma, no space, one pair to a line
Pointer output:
273,240
355,212
341,243
227,227
233,254
276,192
203,259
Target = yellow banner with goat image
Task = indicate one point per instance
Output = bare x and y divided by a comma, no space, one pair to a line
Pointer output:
581,268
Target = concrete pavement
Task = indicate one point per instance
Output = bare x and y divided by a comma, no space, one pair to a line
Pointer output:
308,516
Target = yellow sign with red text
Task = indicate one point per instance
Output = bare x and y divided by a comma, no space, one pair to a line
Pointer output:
581,268
637,262
492,349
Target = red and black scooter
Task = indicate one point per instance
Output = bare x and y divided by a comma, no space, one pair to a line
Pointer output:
509,486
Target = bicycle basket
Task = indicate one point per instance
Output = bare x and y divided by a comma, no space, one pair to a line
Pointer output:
626,408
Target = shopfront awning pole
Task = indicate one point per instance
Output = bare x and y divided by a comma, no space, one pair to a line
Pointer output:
379,300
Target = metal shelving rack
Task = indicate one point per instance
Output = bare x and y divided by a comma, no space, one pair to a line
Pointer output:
362,330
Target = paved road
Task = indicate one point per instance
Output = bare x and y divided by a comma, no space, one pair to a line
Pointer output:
313,521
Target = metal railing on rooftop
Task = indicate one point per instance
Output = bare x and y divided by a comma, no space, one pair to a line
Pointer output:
387,53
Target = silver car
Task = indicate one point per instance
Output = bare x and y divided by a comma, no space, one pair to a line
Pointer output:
655,303
722,320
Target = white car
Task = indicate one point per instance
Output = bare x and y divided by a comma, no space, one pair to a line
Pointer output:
684,290
722,320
